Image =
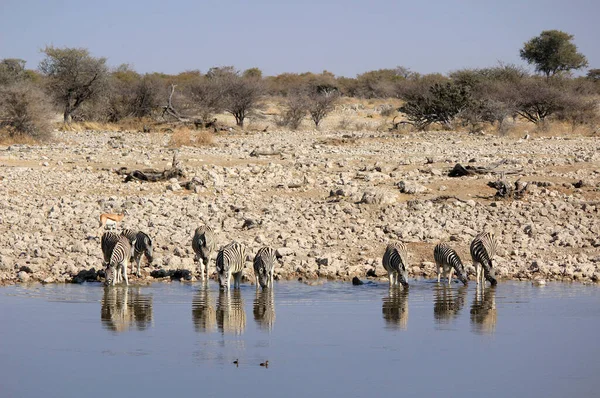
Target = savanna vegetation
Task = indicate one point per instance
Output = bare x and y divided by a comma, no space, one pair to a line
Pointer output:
84,89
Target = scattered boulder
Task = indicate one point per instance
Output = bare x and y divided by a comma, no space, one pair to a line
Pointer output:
411,188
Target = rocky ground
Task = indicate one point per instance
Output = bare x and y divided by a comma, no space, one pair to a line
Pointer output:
328,203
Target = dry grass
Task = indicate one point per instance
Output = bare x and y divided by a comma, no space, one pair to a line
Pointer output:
183,136
6,138
129,124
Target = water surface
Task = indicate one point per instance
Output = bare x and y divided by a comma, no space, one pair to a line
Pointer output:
329,340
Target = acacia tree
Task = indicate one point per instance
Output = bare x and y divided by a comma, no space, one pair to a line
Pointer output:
321,103
74,77
552,52
240,95
11,70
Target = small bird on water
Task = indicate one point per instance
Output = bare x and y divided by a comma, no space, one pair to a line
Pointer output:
236,363
265,364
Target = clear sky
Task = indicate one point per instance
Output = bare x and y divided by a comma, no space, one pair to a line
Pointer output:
345,37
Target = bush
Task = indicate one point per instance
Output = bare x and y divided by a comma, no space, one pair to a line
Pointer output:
25,111
295,109
320,104
441,104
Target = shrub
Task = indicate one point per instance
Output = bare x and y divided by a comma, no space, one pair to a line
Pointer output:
25,111
320,104
295,109
442,104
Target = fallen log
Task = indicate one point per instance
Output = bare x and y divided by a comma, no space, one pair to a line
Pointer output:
258,152
460,171
152,175
505,190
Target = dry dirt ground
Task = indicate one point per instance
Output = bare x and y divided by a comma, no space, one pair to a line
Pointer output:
329,202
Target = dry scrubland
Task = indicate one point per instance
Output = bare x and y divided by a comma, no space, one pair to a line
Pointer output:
329,203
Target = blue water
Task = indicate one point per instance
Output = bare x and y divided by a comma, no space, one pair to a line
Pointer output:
335,339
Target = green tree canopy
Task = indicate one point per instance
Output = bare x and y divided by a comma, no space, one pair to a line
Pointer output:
74,76
552,52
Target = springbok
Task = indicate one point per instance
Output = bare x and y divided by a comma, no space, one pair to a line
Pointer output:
110,219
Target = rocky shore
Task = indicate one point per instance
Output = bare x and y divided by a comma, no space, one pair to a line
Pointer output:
327,201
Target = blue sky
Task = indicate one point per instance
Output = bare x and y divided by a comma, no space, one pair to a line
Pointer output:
344,37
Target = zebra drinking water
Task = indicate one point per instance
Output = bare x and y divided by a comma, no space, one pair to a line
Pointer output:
119,260
447,259
107,244
264,265
141,244
483,249
204,244
230,261
395,263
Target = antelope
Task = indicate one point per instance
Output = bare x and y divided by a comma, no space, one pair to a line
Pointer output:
110,219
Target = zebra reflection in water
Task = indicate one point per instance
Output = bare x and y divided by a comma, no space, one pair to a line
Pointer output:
230,314
448,302
124,308
204,315
395,308
483,310
264,308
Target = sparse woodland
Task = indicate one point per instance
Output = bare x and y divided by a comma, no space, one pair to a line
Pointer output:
84,89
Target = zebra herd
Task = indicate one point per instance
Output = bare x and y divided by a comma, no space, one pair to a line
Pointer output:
120,249
483,248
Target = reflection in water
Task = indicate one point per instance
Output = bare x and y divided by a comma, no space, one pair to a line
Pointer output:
395,308
204,315
264,308
231,317
448,303
483,310
123,307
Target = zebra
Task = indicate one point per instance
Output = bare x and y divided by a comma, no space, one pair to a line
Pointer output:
483,249
230,261
141,244
107,244
447,259
394,262
204,244
264,265
119,260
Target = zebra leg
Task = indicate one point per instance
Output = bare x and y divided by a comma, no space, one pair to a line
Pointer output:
437,266
450,275
124,266
138,261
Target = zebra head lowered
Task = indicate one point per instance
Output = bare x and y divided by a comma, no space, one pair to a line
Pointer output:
230,261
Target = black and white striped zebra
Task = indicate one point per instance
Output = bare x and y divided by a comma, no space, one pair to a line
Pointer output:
204,244
395,263
483,249
230,261
264,266
119,259
447,259
141,244
107,244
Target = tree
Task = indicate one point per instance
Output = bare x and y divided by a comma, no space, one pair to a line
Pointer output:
552,52
320,104
240,95
11,70
25,111
74,77
594,75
